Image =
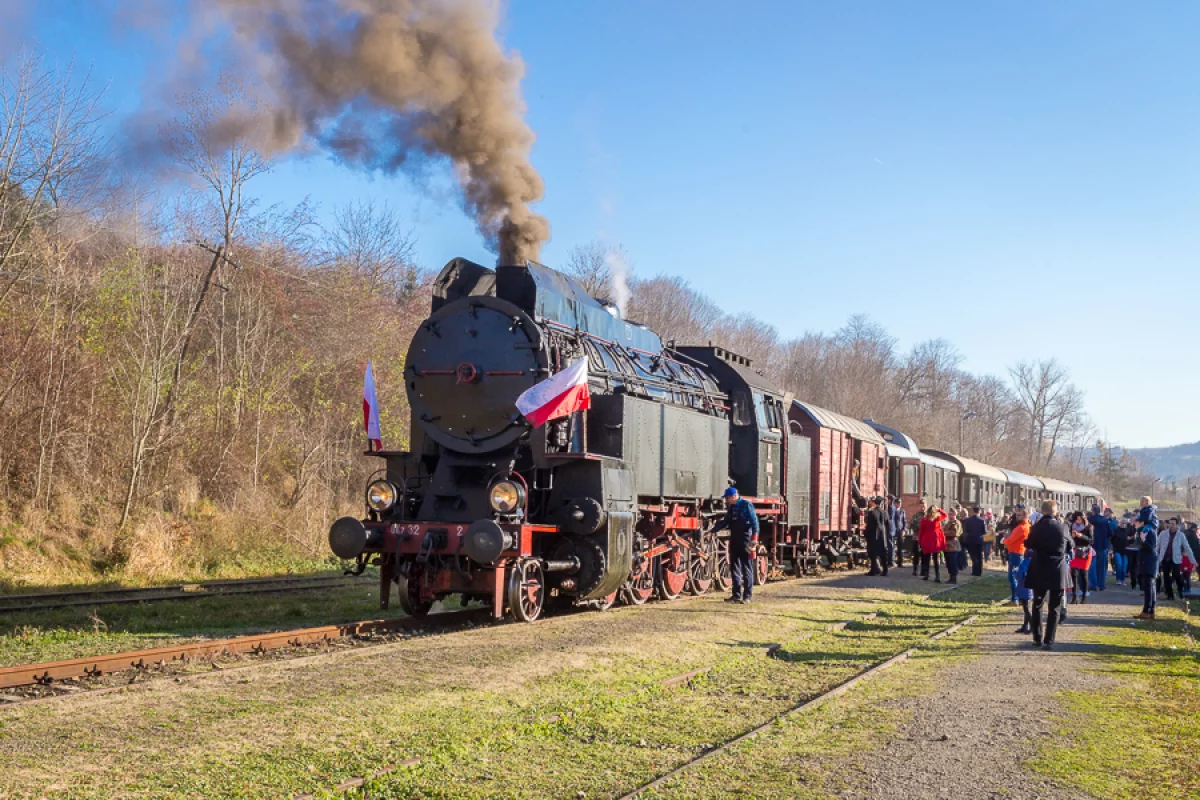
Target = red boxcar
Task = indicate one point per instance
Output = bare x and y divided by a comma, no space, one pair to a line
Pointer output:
837,442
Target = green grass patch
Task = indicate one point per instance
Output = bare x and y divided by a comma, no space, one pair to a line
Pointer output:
572,705
35,636
1141,736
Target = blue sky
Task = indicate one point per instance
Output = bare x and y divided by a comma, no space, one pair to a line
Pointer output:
1022,179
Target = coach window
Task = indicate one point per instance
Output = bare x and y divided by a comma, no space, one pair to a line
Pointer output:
909,485
742,414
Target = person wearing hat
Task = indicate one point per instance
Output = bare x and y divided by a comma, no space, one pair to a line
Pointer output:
876,533
742,523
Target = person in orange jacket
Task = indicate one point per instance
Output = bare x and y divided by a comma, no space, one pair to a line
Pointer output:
932,541
1014,543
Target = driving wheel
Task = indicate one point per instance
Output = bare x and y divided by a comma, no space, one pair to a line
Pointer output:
672,573
640,586
702,565
722,574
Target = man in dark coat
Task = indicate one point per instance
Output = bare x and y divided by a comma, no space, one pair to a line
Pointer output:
899,527
974,532
877,536
742,522
1147,567
1049,571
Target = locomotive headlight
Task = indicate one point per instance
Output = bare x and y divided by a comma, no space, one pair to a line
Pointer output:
381,495
506,496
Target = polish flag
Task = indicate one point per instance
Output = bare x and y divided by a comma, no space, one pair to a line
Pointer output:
557,396
371,411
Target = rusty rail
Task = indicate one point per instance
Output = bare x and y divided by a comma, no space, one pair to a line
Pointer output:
186,591
94,666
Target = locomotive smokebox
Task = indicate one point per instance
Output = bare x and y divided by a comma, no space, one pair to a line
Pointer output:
467,365
486,540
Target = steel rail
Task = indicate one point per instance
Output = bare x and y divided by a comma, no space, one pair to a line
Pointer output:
186,591
807,705
94,666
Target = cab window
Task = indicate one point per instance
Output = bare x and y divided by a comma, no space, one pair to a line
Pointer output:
742,414
765,412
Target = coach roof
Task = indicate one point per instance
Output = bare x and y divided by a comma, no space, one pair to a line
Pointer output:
1055,485
935,461
830,419
1021,479
972,467
899,444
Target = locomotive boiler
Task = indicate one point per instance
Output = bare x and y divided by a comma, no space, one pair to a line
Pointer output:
612,502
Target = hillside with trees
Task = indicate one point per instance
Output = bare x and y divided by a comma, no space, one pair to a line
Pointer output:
181,367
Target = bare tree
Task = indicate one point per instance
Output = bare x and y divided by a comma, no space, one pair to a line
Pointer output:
50,153
371,242
1051,405
675,310
590,264
224,166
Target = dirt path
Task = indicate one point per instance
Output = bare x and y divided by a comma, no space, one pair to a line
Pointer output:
988,716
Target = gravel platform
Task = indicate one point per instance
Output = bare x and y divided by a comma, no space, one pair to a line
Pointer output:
974,736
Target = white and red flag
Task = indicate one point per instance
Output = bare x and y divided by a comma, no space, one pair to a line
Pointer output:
371,410
557,396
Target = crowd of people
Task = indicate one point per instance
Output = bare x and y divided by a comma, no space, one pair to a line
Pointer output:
1050,557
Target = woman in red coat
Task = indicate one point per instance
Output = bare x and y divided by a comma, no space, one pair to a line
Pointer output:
932,540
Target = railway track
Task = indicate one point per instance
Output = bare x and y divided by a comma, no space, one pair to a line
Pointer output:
45,601
53,673
48,673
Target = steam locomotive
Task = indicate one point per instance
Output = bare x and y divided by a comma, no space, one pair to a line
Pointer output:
614,502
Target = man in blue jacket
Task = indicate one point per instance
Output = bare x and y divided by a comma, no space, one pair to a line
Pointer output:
1103,526
742,523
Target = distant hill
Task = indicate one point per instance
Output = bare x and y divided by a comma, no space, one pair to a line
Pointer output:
1177,462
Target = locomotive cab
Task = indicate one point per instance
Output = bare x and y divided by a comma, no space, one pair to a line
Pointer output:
756,420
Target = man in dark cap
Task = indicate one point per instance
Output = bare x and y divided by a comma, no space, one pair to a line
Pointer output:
742,522
1049,571
876,532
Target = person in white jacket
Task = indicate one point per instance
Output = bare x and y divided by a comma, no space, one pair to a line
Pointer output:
1172,547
